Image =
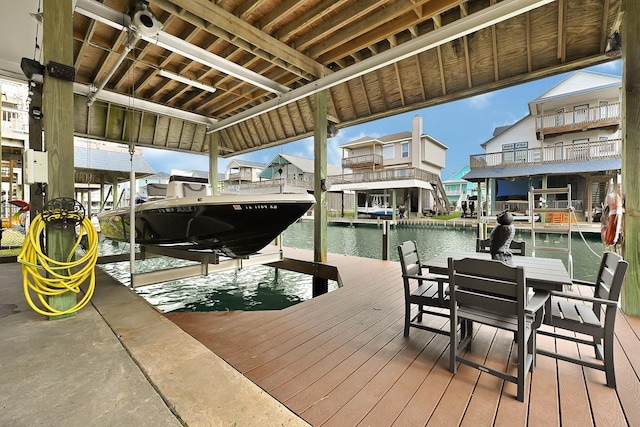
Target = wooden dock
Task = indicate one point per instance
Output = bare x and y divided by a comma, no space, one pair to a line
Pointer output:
341,359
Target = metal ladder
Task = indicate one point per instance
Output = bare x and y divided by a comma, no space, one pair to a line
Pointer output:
557,224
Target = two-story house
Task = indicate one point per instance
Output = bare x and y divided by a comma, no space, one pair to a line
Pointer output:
294,171
460,190
571,136
399,170
240,172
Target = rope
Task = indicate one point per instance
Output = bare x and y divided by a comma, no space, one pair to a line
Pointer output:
61,276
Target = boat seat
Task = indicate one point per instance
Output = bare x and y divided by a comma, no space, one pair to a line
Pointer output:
178,189
194,190
156,190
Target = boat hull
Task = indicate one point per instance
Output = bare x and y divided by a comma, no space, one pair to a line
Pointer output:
234,225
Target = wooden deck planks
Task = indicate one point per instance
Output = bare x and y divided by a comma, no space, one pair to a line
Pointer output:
341,359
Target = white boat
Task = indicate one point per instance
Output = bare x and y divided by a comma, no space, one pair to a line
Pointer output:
189,217
379,206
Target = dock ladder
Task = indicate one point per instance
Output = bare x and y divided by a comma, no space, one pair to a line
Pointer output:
553,220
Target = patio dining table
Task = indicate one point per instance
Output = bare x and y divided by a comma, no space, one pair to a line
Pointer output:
547,274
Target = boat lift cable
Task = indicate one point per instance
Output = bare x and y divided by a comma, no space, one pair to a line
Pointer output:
48,277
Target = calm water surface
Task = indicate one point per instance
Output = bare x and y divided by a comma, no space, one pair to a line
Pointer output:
265,288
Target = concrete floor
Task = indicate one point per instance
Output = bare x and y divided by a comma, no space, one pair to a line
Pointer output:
118,362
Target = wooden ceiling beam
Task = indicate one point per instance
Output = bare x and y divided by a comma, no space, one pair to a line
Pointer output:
345,18
364,92
562,17
359,34
85,44
464,11
324,10
394,19
443,82
423,90
230,23
527,22
111,56
272,18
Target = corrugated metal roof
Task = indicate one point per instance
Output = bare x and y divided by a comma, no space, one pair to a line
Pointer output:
107,160
544,169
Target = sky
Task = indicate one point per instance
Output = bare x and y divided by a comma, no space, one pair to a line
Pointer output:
460,125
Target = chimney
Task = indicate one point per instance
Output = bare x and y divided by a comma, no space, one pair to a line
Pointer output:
416,145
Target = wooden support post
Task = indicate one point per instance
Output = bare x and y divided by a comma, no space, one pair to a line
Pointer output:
57,111
631,156
320,286
320,176
385,240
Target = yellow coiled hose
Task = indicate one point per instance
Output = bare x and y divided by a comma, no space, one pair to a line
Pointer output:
61,276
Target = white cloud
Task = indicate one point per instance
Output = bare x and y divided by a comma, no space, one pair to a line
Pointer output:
479,102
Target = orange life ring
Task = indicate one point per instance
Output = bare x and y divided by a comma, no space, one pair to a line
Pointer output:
613,223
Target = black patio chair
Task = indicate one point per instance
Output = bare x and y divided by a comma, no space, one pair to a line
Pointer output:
583,314
495,294
427,291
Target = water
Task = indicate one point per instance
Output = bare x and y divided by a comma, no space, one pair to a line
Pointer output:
253,288
366,241
265,288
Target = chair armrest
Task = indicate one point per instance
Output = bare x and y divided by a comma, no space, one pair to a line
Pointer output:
536,307
432,277
537,302
584,298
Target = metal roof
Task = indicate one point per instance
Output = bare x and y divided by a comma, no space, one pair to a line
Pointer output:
97,166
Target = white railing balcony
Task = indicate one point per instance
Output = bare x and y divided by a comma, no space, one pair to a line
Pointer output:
566,153
240,176
366,160
385,175
579,119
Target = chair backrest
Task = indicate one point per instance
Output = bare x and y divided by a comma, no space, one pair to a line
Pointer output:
610,278
409,258
490,284
517,248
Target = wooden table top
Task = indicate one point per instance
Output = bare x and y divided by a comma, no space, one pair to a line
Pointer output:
541,273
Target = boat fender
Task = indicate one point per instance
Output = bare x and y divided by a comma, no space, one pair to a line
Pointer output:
612,219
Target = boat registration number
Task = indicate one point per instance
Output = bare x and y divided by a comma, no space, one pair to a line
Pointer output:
259,206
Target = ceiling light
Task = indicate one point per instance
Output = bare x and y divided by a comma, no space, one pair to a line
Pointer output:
186,80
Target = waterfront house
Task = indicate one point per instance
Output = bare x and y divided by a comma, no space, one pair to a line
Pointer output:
571,136
241,172
457,188
401,169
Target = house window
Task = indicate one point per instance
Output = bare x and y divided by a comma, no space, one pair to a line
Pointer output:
405,150
579,148
560,117
514,152
580,113
558,152
603,110
606,147
404,147
388,151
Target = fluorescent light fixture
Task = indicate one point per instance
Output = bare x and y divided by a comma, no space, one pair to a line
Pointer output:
186,80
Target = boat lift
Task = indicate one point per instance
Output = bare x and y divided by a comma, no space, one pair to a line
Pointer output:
208,262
